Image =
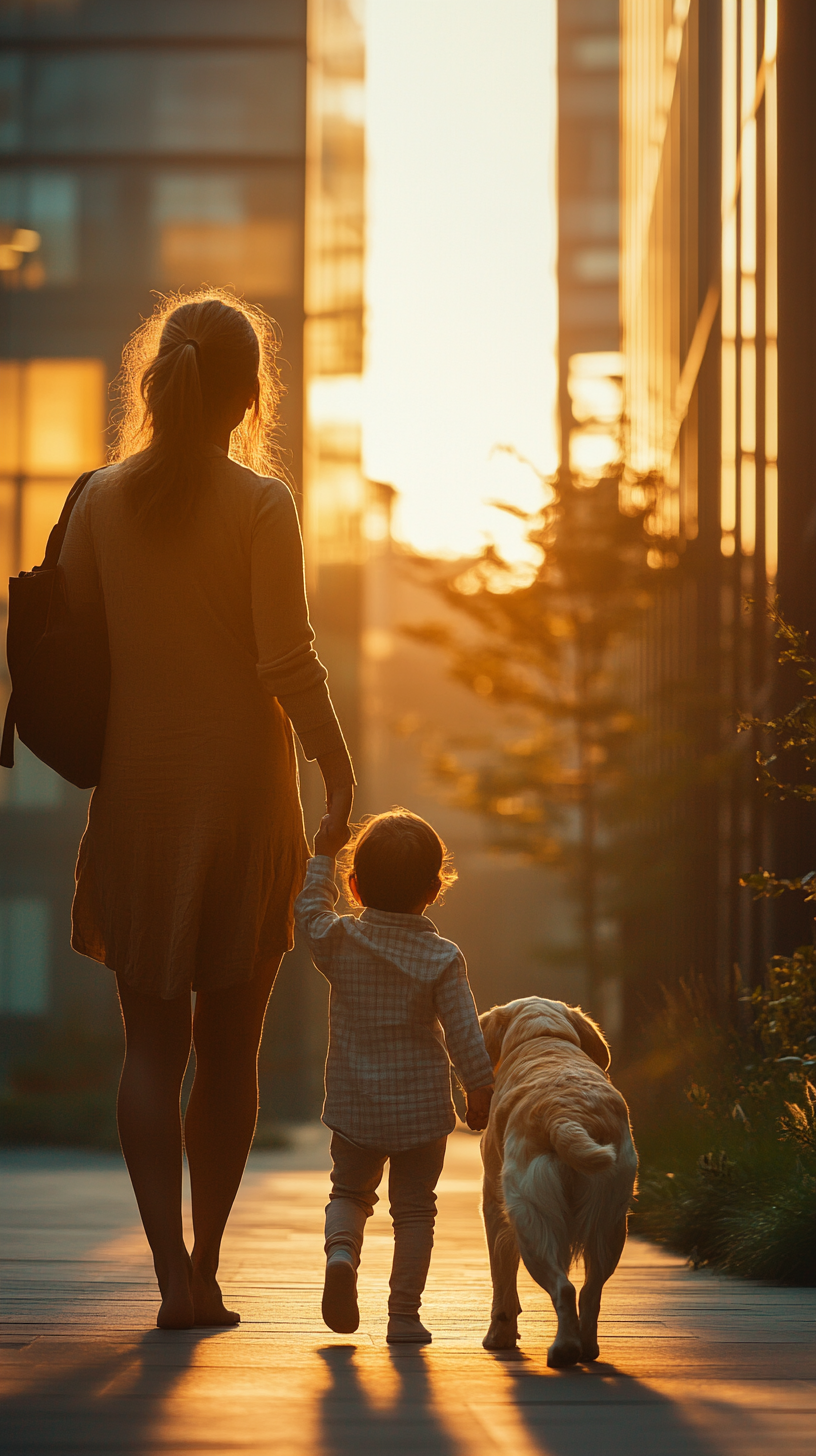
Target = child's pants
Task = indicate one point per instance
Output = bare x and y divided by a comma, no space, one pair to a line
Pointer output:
412,1180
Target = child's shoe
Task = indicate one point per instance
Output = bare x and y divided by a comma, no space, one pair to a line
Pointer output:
407,1329
340,1310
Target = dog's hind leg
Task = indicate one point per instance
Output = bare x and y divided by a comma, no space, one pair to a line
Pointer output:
503,1251
551,1274
504,1262
601,1257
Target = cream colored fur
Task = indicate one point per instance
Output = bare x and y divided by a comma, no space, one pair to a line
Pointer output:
560,1168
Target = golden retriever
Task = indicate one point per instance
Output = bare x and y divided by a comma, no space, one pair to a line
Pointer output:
559,1168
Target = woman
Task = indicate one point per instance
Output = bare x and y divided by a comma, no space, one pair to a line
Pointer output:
194,850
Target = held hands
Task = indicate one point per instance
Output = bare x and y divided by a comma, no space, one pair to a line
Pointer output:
331,836
478,1107
339,780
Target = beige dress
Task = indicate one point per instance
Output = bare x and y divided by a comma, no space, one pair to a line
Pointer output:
194,849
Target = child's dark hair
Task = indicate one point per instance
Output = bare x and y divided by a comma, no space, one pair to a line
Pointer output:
395,858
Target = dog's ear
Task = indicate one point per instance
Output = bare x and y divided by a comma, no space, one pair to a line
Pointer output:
494,1024
593,1041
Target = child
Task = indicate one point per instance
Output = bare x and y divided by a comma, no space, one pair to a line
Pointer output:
393,981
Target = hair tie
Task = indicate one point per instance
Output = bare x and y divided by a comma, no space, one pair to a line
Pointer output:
194,343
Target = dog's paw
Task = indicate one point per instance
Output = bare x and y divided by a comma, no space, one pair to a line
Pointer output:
502,1335
562,1353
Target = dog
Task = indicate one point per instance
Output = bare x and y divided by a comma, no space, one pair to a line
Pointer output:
559,1169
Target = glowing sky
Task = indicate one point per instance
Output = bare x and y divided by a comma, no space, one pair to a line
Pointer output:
461,294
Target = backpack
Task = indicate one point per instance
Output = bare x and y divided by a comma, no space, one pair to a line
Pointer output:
60,670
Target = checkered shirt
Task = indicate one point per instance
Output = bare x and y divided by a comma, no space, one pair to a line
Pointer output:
393,981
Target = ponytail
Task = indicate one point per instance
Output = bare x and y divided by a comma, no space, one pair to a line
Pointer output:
179,367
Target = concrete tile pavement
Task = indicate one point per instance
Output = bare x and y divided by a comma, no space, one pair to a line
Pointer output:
692,1364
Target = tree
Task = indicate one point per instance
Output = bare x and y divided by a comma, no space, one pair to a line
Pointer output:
554,649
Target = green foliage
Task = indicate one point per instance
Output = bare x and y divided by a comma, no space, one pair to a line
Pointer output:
794,731
730,1180
793,737
729,1177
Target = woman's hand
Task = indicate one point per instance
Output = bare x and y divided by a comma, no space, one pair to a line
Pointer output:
338,776
329,839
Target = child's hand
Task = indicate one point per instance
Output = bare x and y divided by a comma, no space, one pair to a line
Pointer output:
330,837
478,1107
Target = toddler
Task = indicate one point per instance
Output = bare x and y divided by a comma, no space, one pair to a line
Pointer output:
396,985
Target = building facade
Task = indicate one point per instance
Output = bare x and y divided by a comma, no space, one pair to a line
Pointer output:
146,146
717,299
588,235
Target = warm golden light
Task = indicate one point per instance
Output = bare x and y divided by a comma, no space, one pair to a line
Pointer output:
730,144
748,505
771,521
748,397
771,298
771,31
728,409
460,277
748,141
51,429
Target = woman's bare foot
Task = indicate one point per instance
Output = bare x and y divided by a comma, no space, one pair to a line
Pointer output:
208,1302
177,1310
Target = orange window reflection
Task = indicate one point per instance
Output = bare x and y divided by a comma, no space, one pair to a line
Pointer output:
51,429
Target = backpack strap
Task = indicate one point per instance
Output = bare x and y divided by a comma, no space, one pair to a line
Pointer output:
7,746
57,535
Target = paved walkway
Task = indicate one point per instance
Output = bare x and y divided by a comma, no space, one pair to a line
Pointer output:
691,1365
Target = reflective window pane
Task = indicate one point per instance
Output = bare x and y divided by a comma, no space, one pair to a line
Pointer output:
285,19
8,531
51,430
11,101
45,203
11,383
63,416
42,502
115,101
206,233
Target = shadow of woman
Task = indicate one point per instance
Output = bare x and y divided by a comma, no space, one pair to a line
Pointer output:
594,1408
95,1394
353,1419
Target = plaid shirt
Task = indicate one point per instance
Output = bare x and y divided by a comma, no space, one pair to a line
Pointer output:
393,980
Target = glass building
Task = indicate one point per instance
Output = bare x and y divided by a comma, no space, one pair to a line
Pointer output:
588,235
144,145
717,296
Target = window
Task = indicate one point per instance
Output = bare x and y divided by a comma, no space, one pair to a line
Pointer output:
51,423
248,101
25,939
210,228
39,228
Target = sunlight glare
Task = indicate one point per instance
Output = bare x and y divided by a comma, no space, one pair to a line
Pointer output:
461,286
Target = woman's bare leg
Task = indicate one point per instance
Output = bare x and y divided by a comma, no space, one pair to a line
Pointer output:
157,1036
220,1122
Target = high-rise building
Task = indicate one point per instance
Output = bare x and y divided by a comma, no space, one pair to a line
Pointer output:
588,235
144,145
718,235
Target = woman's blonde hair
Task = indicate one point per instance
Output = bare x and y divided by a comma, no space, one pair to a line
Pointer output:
194,352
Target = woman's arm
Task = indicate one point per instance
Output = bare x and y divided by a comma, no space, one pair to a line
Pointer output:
288,665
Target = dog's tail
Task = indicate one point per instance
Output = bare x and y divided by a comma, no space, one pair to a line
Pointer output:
578,1150
536,1204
